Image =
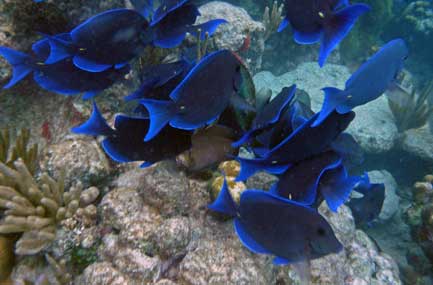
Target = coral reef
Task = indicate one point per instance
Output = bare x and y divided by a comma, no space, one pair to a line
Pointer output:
35,209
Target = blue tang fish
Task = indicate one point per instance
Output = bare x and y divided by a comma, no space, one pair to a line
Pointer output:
165,8
325,21
303,143
62,77
270,114
171,30
335,186
369,82
125,143
200,98
145,7
300,182
111,38
366,209
159,80
268,224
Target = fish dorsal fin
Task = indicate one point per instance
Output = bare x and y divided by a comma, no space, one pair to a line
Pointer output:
247,240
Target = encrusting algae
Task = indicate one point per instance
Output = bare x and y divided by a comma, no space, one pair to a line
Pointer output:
229,169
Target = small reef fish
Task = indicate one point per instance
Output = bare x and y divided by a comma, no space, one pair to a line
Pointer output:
171,30
335,187
125,143
367,208
269,115
325,21
200,98
156,78
303,143
368,83
300,182
111,38
268,224
62,77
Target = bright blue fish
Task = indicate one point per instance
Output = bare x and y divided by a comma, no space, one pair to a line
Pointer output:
366,209
269,115
111,38
268,224
125,143
335,187
369,82
62,77
325,21
157,80
200,98
303,143
300,182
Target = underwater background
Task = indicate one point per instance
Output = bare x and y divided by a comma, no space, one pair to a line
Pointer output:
76,211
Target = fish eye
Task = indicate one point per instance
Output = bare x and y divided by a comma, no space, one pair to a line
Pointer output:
321,231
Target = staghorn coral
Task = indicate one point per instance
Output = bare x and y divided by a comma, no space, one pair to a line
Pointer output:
10,153
35,209
410,109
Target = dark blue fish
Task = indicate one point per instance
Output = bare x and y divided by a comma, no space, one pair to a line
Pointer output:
335,186
170,31
369,82
269,115
347,147
159,78
366,209
166,7
125,143
289,121
111,38
325,21
303,143
62,77
300,182
268,224
200,98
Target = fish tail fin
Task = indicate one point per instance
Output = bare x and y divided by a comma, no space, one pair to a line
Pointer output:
160,113
337,27
250,166
336,196
95,125
224,203
59,50
333,98
20,65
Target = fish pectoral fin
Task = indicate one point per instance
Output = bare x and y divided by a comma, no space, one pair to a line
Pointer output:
247,240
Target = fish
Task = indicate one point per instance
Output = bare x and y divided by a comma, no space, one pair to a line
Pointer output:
268,224
62,77
109,39
368,83
335,186
144,7
347,147
367,208
210,146
301,144
125,142
269,115
300,182
156,78
165,8
200,98
171,30
325,21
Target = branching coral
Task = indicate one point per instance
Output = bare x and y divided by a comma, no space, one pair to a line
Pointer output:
272,19
9,154
410,109
35,209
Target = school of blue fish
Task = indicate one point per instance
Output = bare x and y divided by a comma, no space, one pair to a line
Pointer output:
307,151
